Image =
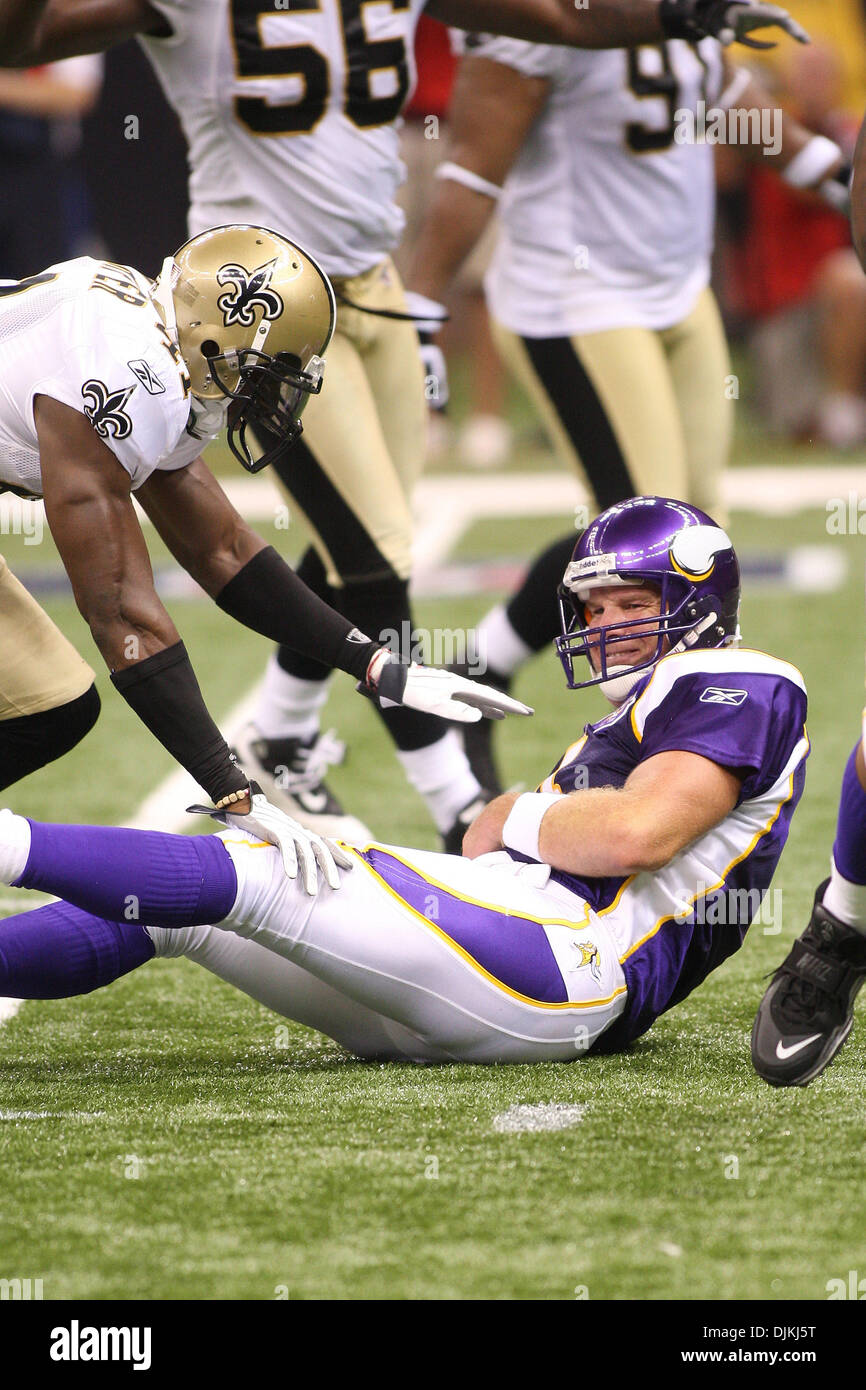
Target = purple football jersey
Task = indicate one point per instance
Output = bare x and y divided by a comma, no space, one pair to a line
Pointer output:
745,711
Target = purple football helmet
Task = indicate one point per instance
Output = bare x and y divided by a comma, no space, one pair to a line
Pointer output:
659,541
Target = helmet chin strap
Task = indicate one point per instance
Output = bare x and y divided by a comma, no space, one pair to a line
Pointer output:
621,680
163,295
206,417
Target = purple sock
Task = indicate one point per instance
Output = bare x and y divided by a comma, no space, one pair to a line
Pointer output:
58,950
849,850
133,875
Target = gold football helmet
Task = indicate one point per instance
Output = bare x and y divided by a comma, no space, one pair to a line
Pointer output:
252,314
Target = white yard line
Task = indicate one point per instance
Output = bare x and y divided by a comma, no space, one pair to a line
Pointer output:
442,500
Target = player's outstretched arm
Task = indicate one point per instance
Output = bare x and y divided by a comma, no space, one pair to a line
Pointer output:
782,144
492,110
43,31
618,23
89,509
666,803
252,583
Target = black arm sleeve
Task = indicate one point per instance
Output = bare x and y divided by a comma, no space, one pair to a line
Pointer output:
267,596
165,695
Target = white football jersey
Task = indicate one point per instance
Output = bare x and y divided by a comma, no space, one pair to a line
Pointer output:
290,112
88,334
607,220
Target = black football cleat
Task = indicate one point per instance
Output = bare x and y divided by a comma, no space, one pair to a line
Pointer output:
291,772
452,839
478,737
808,1010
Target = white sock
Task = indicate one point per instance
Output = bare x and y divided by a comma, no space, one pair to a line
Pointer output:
842,419
846,900
442,775
14,846
498,645
288,706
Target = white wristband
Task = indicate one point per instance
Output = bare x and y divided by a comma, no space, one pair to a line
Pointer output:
808,167
837,194
458,174
523,826
428,314
735,88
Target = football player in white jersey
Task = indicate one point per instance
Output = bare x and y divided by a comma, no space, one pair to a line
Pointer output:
110,386
583,911
290,116
599,286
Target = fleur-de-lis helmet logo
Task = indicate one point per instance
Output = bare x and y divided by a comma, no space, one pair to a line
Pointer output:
104,408
250,291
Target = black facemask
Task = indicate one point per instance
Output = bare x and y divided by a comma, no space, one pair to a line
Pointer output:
269,398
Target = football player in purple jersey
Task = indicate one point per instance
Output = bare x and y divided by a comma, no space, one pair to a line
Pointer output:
808,1010
579,912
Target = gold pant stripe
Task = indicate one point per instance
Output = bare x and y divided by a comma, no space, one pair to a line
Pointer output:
366,431
665,394
39,668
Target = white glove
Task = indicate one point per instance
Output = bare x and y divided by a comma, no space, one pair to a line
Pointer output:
434,691
429,318
729,21
299,847
742,16
436,391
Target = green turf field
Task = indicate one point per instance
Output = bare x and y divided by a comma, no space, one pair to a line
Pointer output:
167,1138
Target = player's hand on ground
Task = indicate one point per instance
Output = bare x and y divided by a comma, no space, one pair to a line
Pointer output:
485,832
302,850
433,691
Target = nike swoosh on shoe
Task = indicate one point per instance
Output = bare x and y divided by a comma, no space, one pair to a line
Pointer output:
783,1052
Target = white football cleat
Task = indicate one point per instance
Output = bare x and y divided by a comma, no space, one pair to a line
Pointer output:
291,773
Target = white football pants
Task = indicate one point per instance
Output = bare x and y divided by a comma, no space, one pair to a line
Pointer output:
387,980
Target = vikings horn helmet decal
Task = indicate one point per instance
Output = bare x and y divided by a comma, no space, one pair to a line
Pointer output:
252,315
649,540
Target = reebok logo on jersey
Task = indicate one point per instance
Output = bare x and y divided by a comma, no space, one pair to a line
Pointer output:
104,409
718,695
250,292
147,376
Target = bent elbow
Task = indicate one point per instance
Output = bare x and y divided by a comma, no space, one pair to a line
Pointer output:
643,850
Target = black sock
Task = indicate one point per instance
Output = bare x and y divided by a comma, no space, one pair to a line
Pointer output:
533,611
312,571
30,741
381,608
